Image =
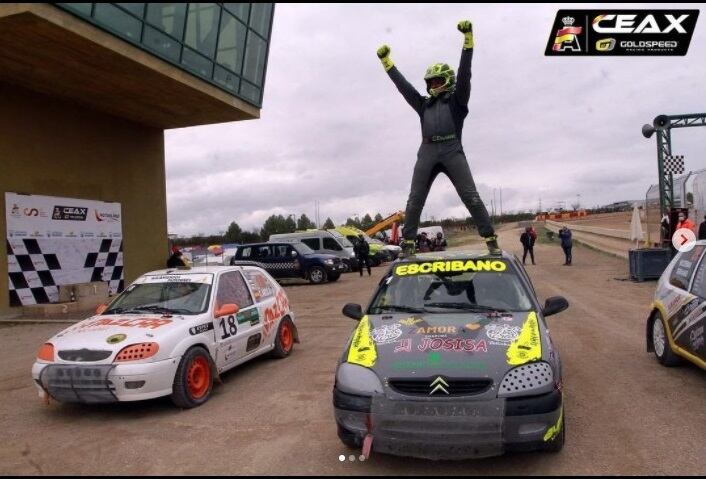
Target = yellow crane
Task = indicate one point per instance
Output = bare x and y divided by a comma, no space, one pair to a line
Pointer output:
397,217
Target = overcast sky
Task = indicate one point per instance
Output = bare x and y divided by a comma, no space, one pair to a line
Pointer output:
333,128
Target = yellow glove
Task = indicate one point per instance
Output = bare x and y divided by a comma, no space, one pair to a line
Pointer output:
384,56
466,27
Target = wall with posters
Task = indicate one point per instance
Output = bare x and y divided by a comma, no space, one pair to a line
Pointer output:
53,241
59,148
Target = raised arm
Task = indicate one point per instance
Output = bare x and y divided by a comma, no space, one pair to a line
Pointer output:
463,82
410,94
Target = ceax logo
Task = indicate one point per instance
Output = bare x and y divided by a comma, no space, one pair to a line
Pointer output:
605,44
439,385
567,37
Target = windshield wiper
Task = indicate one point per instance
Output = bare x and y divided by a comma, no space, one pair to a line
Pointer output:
399,307
467,307
157,309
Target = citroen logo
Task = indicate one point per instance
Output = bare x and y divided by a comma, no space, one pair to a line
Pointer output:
439,385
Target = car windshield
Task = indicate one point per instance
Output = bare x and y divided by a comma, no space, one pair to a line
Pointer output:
341,239
441,292
166,298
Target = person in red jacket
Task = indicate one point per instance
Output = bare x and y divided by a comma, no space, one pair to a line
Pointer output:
685,222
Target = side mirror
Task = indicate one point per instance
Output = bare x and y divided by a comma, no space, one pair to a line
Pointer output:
227,310
554,305
294,254
353,311
101,308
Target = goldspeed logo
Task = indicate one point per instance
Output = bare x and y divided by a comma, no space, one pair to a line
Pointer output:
622,32
605,45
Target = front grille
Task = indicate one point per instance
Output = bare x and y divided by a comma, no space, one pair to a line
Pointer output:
84,355
456,387
85,384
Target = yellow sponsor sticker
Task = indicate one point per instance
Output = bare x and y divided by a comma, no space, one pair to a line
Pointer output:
528,345
362,350
554,431
457,266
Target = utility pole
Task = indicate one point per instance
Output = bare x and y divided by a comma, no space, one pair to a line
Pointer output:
501,202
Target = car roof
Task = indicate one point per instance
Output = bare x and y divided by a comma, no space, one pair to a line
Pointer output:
456,255
195,270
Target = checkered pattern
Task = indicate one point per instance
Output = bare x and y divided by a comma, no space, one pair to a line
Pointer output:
674,164
33,274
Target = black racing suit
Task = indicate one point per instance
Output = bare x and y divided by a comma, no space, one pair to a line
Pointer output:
441,150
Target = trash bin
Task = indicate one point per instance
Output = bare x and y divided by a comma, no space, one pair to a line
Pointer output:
648,263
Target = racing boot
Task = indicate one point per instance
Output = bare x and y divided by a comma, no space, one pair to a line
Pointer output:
407,249
492,243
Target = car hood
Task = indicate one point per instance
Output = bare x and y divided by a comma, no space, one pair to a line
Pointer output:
459,344
114,331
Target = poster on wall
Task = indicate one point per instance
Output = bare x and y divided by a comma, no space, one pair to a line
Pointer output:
54,241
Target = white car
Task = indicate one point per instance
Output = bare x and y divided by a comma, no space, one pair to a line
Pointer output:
171,332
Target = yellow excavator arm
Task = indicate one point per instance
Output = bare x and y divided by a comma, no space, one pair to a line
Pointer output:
386,223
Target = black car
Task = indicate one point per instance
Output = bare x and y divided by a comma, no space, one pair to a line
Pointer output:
291,260
452,359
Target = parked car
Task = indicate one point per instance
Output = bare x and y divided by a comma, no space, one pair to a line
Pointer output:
675,326
321,241
170,333
452,359
291,260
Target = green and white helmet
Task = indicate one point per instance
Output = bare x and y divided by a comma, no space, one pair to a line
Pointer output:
441,71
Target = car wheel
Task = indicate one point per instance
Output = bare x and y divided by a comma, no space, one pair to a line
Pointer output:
193,380
660,343
317,275
284,341
334,277
557,444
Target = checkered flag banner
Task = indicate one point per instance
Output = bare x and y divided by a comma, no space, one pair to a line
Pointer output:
674,164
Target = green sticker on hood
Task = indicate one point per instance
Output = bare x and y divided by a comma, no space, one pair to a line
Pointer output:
116,338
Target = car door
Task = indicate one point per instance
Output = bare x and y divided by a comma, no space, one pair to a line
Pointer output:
687,308
284,262
264,292
233,331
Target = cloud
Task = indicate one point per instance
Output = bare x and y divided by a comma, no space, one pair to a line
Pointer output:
334,129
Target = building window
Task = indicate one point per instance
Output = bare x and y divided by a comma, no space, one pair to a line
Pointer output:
202,27
255,54
260,18
168,17
240,10
118,20
231,43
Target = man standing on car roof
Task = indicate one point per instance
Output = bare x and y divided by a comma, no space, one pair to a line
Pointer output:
442,115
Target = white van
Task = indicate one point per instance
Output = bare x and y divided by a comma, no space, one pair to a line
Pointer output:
322,241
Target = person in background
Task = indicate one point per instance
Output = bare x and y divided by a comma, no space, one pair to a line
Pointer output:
176,260
685,222
702,229
424,245
439,243
362,253
566,244
533,233
527,241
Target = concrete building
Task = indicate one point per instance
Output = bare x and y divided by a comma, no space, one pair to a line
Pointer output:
87,90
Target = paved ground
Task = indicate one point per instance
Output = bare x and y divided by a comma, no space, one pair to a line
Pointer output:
625,414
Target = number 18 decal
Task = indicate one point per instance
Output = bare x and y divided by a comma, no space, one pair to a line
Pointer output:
229,329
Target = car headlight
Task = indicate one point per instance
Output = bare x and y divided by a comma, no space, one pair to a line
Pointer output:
329,262
137,352
528,379
354,379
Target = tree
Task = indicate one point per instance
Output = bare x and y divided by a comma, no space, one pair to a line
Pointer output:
276,224
233,234
366,223
353,222
328,225
378,218
304,223
290,225
250,237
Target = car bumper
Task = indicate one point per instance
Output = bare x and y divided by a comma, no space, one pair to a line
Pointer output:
104,383
339,268
450,429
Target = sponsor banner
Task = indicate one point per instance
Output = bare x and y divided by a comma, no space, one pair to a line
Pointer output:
55,241
205,278
613,32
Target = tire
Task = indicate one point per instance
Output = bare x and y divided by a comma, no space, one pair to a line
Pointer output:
660,342
193,380
284,341
334,277
557,444
317,275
